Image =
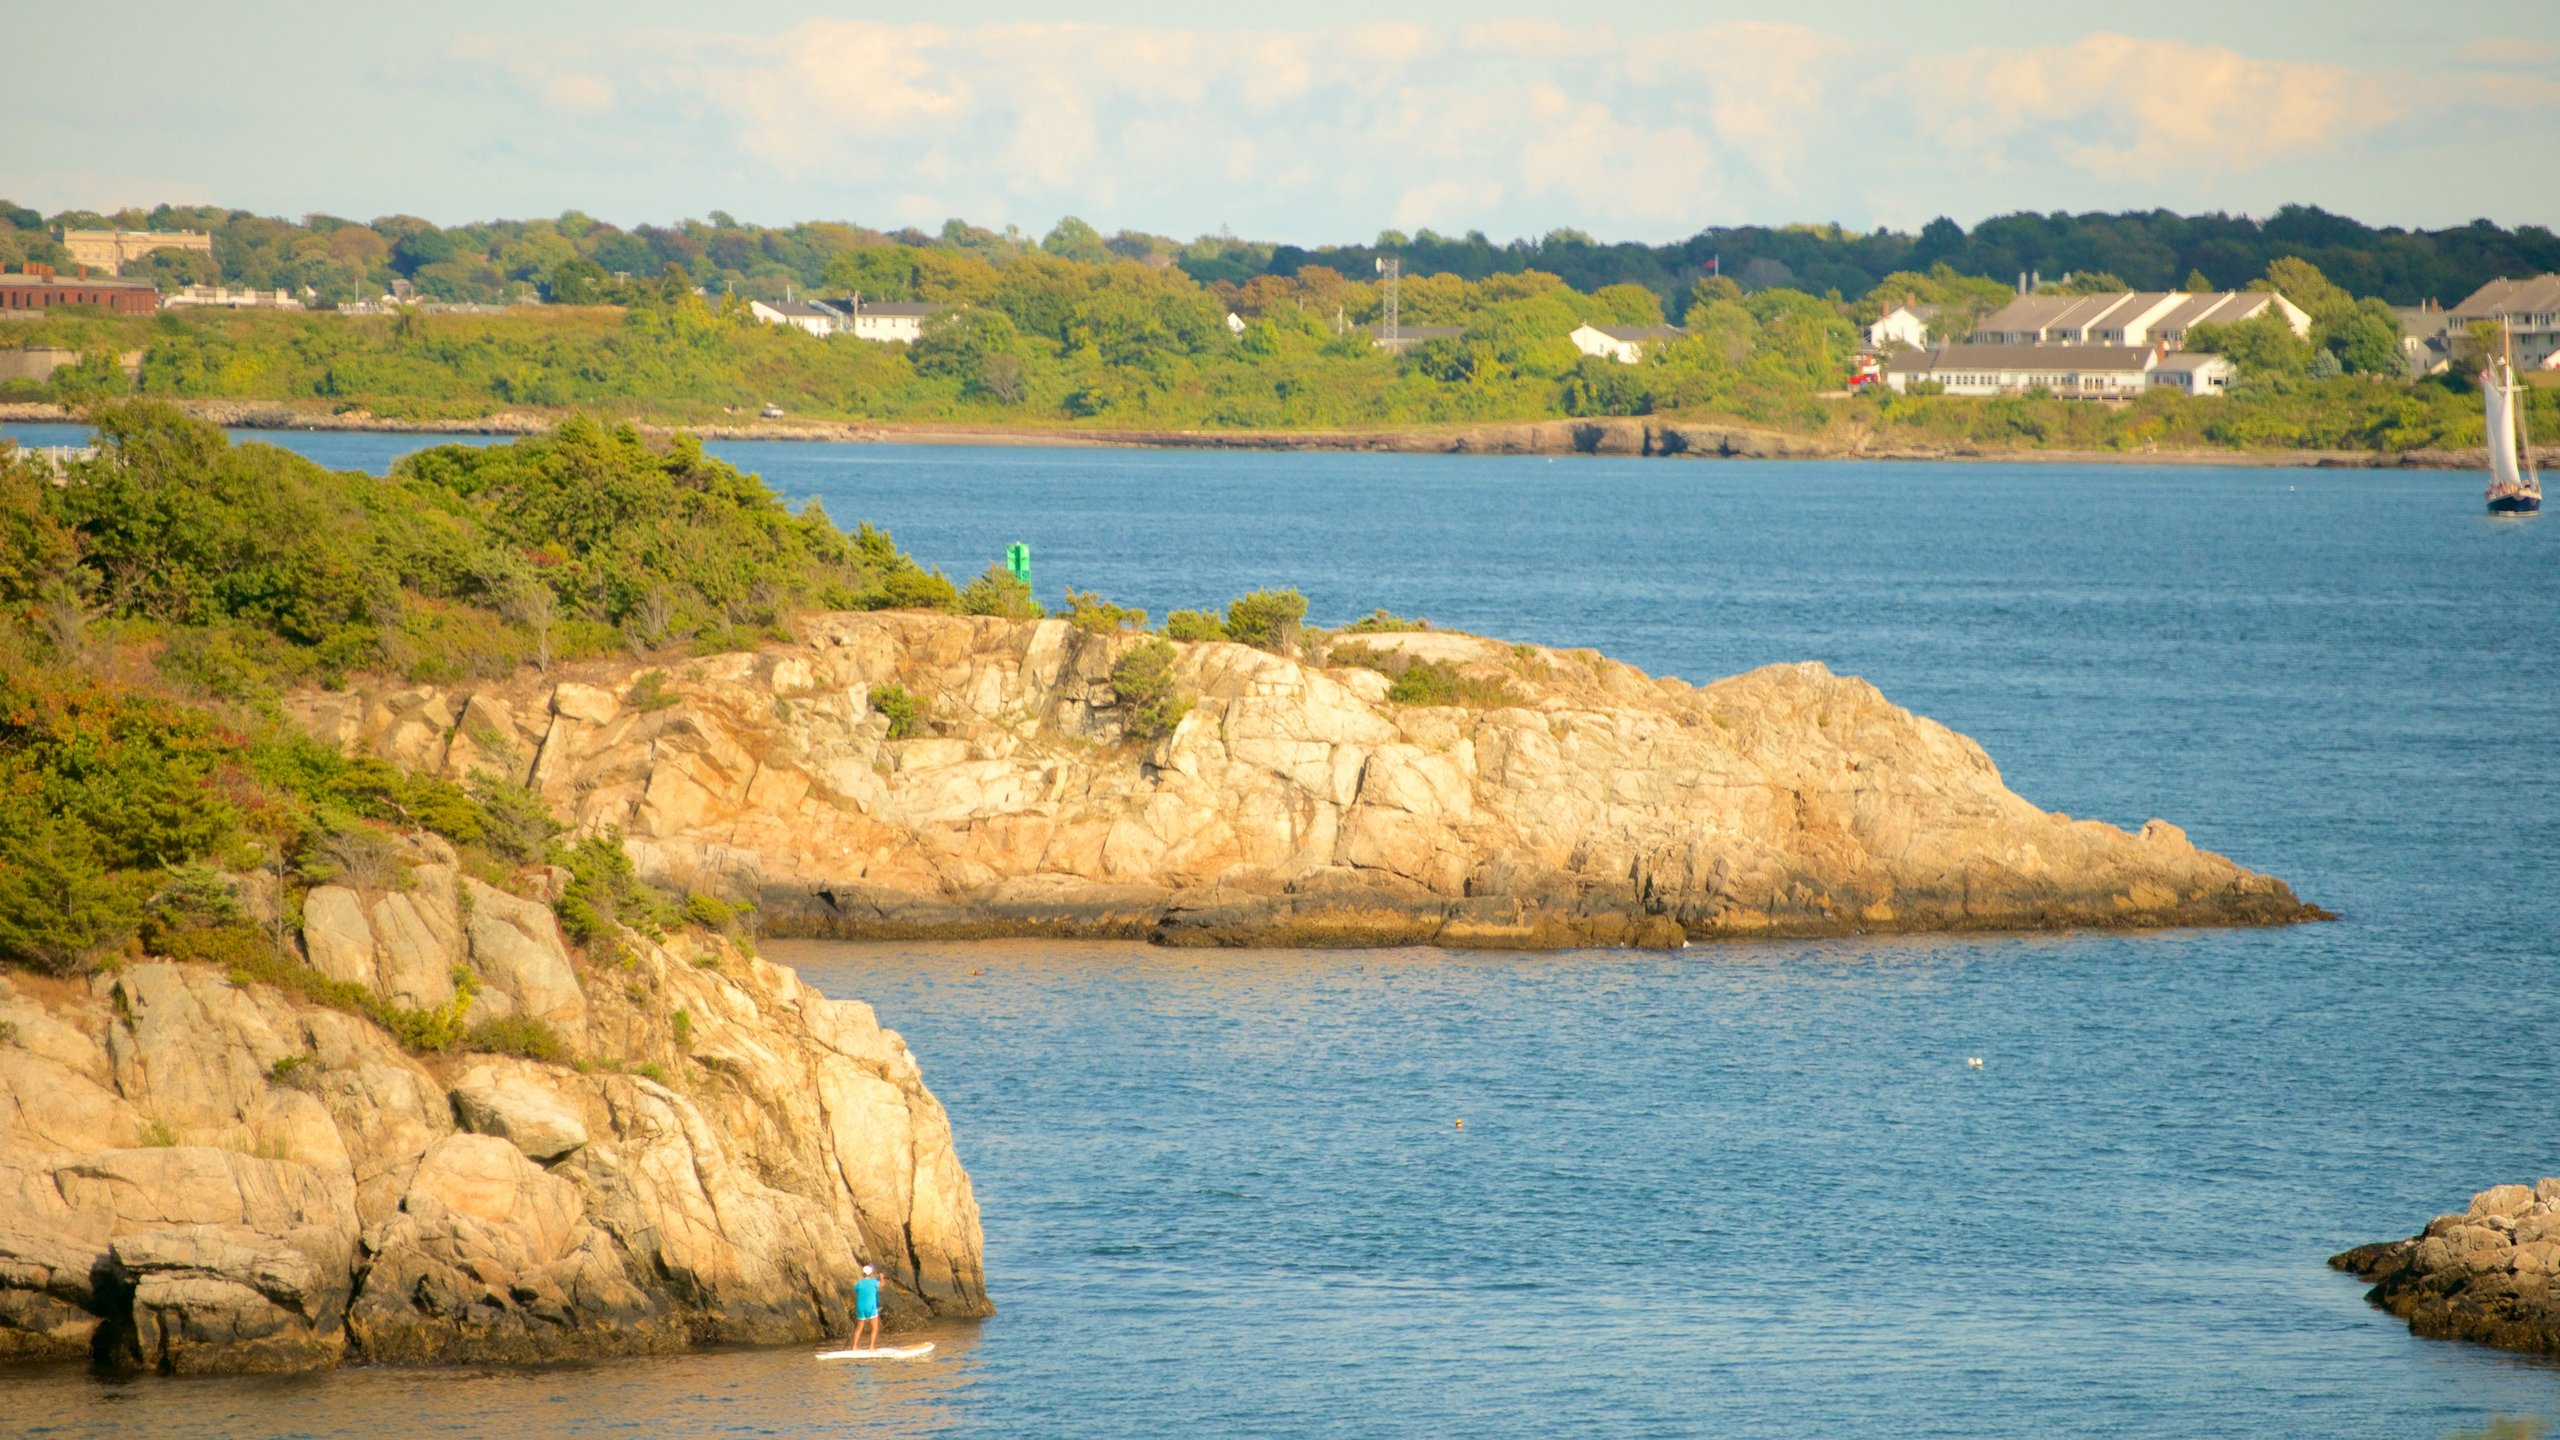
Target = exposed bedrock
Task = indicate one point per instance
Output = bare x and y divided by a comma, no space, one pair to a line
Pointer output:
202,1175
2489,1273
1574,801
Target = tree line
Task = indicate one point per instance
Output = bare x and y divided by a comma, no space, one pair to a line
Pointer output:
575,258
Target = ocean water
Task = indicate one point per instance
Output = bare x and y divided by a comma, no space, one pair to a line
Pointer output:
1744,1189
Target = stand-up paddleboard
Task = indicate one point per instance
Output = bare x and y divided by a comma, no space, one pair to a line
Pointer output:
887,1352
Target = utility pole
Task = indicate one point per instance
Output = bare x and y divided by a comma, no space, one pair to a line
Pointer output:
1392,267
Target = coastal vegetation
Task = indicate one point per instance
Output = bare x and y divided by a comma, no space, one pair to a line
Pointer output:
1080,333
161,596
157,601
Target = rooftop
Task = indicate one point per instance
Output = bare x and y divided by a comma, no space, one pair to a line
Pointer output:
105,280
2537,295
2057,358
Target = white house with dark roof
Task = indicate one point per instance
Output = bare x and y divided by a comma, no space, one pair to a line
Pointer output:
2129,317
819,320
2191,372
899,322
1622,343
2530,310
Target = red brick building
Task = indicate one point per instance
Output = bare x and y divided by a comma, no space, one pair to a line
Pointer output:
43,292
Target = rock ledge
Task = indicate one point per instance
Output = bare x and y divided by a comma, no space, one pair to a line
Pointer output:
1588,804
2490,1274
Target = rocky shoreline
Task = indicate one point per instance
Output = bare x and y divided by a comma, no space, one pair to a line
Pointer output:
2489,1274
1572,801
201,1172
1618,436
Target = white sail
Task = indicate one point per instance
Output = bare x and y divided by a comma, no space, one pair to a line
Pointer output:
2500,391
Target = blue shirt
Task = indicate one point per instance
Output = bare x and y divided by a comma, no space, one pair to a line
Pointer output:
866,1297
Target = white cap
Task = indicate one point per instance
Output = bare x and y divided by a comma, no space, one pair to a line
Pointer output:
866,1269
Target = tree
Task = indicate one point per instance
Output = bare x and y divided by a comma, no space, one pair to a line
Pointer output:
2365,338
1073,239
2262,347
2301,282
575,282
2197,284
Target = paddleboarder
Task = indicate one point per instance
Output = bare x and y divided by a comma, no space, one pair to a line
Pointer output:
866,1310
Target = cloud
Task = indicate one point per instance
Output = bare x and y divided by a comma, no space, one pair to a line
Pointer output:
1517,123
2137,110
2508,53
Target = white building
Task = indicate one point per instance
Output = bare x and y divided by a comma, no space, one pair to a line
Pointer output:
1235,323
232,298
2530,310
1622,343
1903,327
2129,317
897,321
2191,372
2078,372
818,320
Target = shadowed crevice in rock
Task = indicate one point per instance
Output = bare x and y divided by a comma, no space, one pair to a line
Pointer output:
1572,802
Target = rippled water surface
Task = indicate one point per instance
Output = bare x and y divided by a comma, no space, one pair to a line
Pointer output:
1747,1189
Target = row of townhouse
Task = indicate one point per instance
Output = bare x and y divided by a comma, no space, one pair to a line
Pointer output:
2080,372
2527,311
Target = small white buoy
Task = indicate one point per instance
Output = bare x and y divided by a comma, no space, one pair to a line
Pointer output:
1973,1062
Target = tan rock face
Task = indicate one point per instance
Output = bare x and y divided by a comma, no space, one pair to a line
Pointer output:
1295,804
197,1176
2489,1274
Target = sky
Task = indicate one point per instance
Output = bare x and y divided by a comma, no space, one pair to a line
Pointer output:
1321,121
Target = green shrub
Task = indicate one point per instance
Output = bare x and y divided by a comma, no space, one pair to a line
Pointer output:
513,820
604,892
1268,619
1000,593
158,1135
1194,625
682,1023
516,1035
1091,613
906,713
1381,622
1142,681
1428,682
295,1072
649,691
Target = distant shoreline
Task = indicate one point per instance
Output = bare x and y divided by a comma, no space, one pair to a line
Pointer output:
1616,436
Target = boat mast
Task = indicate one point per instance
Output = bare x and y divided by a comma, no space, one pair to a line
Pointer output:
2521,400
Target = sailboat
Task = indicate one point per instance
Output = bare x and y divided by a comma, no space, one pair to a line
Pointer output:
2514,486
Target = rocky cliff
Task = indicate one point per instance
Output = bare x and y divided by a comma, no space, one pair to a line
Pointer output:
1569,801
200,1173
2489,1274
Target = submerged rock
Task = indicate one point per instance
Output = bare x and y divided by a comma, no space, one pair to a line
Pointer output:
2490,1274
199,1175
1569,801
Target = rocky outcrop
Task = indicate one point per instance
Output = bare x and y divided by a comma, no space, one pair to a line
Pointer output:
1572,801
2490,1274
202,1173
